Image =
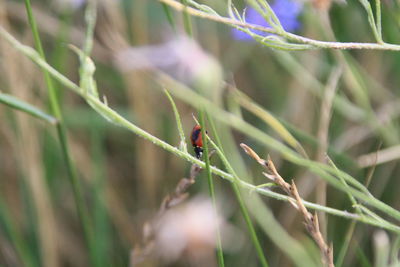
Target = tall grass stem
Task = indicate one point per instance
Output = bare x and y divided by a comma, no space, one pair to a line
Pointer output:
61,132
220,255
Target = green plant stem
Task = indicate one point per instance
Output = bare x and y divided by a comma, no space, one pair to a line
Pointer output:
273,228
313,44
90,18
351,197
378,17
182,145
345,245
395,250
371,20
112,116
236,190
324,171
56,111
18,104
169,16
266,11
341,104
206,157
270,120
15,237
249,224
186,20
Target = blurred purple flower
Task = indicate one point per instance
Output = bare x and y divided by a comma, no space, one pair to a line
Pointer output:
181,57
287,12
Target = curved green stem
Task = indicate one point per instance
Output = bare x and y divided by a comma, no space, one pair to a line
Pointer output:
206,157
61,132
313,44
242,205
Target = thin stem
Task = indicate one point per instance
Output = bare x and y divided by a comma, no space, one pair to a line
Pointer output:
243,208
316,44
56,111
270,120
18,104
323,136
351,197
371,20
186,19
220,255
21,248
182,145
394,254
90,18
249,224
378,17
345,245
266,11
169,16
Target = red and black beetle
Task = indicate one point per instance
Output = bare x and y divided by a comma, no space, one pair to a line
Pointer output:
197,140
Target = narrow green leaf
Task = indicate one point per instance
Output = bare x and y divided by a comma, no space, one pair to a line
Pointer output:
236,190
182,145
371,20
169,15
21,246
61,130
186,20
220,255
269,119
18,104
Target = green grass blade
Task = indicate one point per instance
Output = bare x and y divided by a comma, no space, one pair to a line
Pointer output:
371,20
183,144
187,22
206,157
243,208
351,197
270,226
18,104
363,259
56,110
378,18
16,239
345,245
324,171
270,120
90,19
395,250
169,15
101,224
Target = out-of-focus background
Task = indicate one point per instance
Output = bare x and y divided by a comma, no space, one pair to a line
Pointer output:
344,104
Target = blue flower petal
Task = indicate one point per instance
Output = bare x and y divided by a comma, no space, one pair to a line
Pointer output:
287,12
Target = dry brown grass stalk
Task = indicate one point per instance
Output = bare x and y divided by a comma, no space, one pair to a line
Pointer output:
140,253
180,193
310,220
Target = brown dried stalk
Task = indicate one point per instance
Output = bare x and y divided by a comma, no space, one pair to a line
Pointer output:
310,221
140,253
180,193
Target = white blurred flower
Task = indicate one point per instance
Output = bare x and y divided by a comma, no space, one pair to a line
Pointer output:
182,58
69,4
190,228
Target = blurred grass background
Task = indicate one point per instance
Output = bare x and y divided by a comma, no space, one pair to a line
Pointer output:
124,178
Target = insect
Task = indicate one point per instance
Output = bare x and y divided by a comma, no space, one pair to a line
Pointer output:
197,141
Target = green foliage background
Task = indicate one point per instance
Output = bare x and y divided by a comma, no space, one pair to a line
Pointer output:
76,188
